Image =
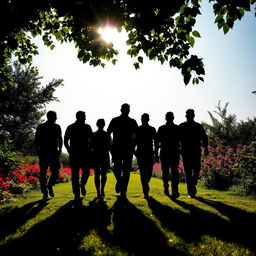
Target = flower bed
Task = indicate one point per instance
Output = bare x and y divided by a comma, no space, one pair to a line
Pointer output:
25,178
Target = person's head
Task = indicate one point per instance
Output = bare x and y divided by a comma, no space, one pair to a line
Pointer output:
51,116
169,117
100,123
190,114
125,109
80,116
145,119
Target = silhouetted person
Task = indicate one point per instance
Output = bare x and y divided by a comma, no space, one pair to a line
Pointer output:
145,141
100,146
48,144
77,140
193,136
169,143
123,128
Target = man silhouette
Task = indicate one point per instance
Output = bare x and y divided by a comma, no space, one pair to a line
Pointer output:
123,129
169,143
77,140
48,144
100,146
145,141
192,137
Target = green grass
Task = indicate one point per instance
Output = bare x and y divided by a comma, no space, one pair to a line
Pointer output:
216,223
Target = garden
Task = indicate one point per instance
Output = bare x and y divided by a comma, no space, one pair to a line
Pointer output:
224,168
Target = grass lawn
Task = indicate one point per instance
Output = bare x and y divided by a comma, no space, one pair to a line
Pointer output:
215,223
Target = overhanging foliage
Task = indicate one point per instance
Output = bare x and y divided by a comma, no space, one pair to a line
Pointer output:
161,29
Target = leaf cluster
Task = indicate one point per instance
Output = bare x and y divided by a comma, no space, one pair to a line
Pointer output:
162,30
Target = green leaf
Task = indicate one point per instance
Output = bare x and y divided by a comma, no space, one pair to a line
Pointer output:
136,65
140,59
226,28
191,40
196,33
186,78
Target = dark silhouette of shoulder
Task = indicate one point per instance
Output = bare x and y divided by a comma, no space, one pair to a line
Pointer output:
47,135
79,136
192,134
168,136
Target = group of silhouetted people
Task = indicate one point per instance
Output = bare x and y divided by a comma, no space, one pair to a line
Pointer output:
123,139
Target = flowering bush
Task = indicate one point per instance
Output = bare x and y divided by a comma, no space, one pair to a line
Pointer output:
222,169
217,168
25,178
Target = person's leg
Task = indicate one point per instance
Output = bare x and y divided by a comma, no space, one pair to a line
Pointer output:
149,170
127,166
165,175
54,168
143,175
85,176
97,180
188,174
117,172
103,181
43,180
75,181
175,176
196,170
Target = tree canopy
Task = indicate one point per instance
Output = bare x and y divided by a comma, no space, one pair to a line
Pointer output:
23,105
161,29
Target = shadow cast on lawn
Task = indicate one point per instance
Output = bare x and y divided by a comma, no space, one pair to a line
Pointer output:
138,234
15,218
63,232
191,226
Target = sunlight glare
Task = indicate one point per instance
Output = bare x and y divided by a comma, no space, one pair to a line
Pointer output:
109,34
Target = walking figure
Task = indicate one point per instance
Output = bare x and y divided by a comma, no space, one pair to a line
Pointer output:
169,142
193,136
145,141
123,129
48,144
77,140
100,146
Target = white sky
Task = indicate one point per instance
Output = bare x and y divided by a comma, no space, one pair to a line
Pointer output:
230,77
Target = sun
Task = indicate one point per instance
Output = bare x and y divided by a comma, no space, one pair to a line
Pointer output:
109,34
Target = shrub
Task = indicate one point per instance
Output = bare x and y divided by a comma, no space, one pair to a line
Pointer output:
8,159
246,167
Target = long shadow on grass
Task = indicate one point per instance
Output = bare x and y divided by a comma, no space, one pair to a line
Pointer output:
16,217
191,226
242,223
136,233
62,233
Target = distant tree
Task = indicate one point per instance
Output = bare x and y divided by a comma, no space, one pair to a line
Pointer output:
23,104
161,29
246,131
225,127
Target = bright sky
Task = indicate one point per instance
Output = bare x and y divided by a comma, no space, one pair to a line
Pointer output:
230,77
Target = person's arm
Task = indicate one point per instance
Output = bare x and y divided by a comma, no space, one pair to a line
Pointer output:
60,141
90,134
66,140
110,127
205,141
37,141
156,146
